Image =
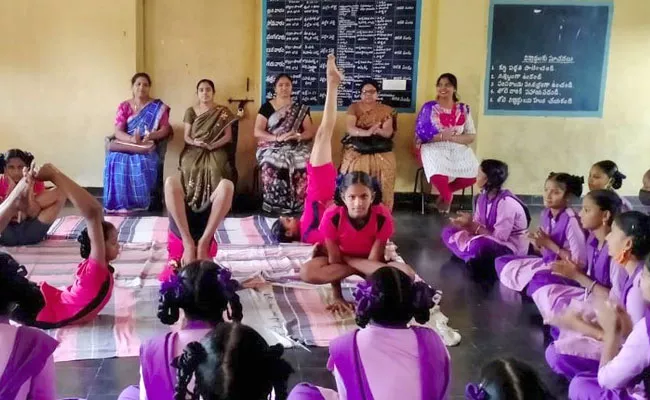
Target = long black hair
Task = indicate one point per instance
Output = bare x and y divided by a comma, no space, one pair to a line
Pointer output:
607,200
232,362
343,182
397,299
279,232
511,379
454,82
571,184
610,169
496,172
25,156
84,239
636,225
20,299
203,294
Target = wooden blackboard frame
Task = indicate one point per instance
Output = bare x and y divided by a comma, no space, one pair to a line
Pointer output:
414,74
545,113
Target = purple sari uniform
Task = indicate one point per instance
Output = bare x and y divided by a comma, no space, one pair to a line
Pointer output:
509,239
574,353
552,299
157,373
344,354
626,376
32,348
533,272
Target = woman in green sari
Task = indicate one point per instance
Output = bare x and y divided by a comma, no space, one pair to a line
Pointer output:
204,160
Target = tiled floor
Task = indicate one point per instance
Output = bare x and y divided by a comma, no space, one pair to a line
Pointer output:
492,321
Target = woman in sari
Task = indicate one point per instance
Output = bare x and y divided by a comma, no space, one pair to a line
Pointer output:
368,144
284,131
443,131
200,196
131,166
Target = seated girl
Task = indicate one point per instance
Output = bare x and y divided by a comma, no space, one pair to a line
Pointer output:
232,362
559,237
580,342
204,291
387,359
35,211
191,233
624,368
606,175
507,379
26,362
599,207
93,283
499,224
355,232
644,192
321,173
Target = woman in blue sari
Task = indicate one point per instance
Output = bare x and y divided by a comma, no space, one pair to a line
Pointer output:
131,166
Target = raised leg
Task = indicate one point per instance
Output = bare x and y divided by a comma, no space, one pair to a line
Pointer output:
51,202
175,200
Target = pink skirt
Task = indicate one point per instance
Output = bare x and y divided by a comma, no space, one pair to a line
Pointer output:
175,249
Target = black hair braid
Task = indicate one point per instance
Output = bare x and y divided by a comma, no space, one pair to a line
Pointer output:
3,163
84,242
186,364
168,308
279,371
236,309
362,320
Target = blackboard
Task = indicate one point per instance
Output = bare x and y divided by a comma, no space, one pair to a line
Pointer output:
371,39
547,58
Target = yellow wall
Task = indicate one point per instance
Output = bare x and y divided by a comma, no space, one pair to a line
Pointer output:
64,67
61,82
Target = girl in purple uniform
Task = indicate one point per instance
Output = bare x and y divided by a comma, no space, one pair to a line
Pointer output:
624,369
559,237
580,342
204,291
232,362
606,175
387,359
26,362
599,207
499,225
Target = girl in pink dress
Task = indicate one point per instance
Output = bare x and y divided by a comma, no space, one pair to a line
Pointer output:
36,209
204,291
559,237
606,175
624,369
93,283
387,359
26,362
321,173
580,342
498,227
232,362
508,378
355,232
599,207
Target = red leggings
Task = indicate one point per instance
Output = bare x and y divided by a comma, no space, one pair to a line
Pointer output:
446,189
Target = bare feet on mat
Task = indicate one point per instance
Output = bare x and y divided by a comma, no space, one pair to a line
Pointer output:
333,74
339,305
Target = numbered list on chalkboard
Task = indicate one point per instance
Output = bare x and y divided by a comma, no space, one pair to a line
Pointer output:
371,39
